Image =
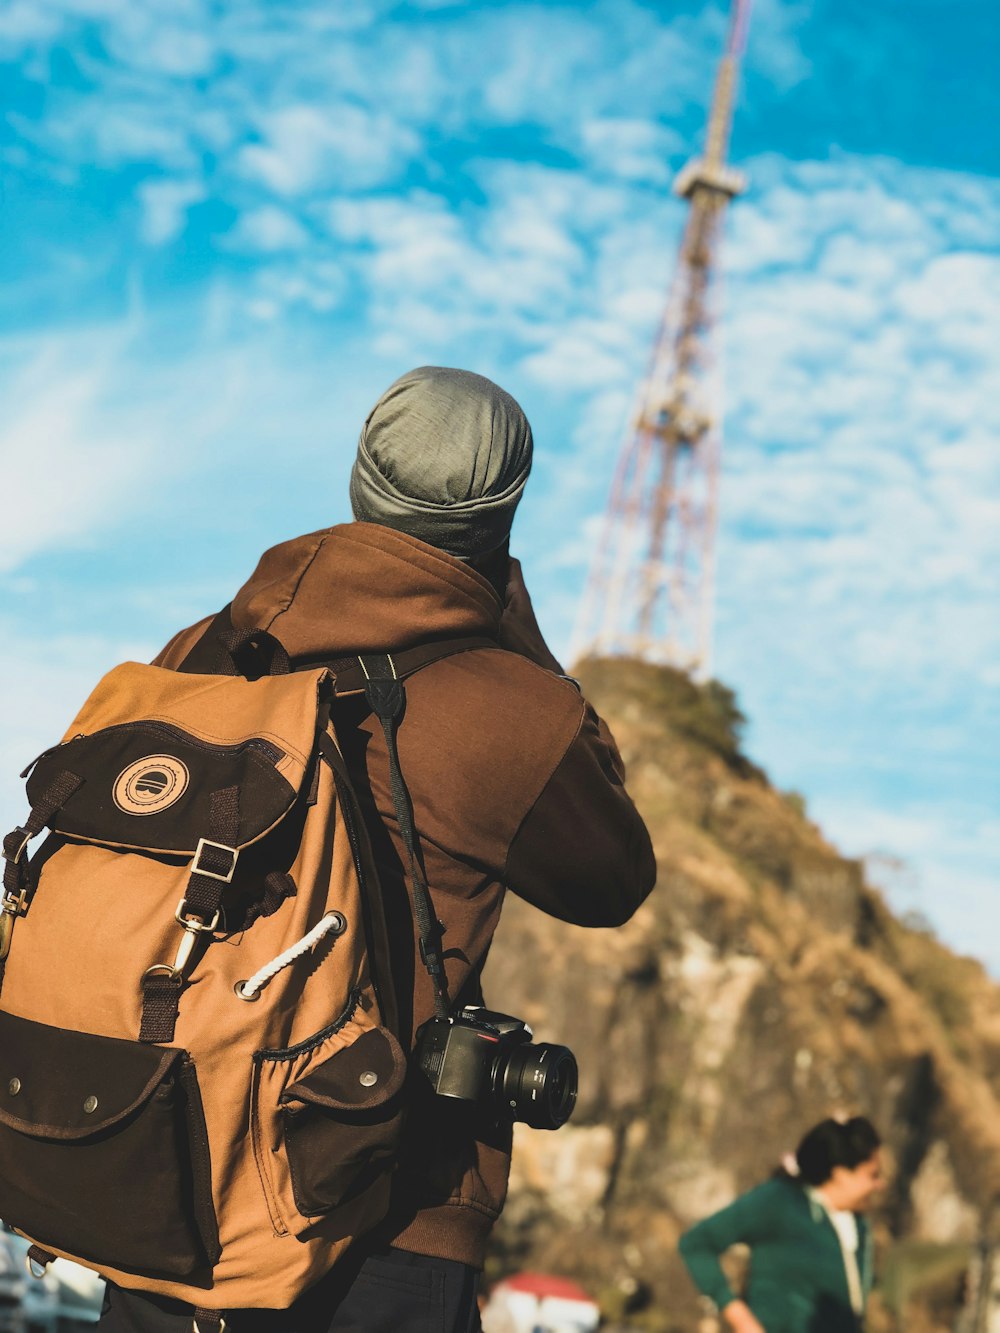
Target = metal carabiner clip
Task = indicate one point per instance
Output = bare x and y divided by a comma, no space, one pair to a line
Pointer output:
10,909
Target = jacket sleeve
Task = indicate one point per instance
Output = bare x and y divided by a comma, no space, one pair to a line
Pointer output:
582,852
744,1222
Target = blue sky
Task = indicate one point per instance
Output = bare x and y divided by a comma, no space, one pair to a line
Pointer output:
228,224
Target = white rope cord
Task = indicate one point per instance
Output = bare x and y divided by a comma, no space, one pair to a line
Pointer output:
331,924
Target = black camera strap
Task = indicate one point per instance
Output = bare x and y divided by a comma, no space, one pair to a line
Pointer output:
384,692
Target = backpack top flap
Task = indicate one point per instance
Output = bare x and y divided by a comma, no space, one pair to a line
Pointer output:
70,1085
153,747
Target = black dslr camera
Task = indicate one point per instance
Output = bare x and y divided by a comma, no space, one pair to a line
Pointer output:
488,1058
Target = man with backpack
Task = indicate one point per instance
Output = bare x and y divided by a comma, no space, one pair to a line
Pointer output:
473,765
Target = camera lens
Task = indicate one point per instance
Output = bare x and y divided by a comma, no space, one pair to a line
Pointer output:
537,1084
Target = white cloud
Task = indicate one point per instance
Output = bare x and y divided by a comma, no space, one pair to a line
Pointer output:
876,368
23,23
268,229
304,148
67,473
189,429
316,285
123,130
639,150
954,288
165,205
342,98
431,273
155,38
585,355
773,45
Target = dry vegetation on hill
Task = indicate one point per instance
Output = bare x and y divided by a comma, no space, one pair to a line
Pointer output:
763,986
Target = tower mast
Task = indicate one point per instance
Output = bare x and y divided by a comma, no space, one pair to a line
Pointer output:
650,590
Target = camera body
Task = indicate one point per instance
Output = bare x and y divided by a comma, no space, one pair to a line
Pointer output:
488,1059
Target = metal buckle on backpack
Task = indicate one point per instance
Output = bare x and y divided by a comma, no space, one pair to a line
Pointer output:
15,853
156,968
196,869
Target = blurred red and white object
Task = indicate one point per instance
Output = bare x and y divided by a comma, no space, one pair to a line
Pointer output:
539,1303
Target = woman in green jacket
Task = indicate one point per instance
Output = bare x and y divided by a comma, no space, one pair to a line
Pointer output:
810,1245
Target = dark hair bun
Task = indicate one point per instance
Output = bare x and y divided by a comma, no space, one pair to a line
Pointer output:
834,1143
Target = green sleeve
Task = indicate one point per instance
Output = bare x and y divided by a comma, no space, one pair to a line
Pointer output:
745,1221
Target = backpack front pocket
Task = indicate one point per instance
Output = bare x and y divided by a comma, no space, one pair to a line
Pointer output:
342,1122
104,1151
336,1122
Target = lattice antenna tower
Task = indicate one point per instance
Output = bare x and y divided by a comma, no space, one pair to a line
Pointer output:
650,591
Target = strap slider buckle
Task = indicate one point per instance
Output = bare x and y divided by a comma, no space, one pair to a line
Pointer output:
14,846
198,869
430,946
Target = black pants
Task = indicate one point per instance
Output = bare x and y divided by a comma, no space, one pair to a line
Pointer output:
383,1291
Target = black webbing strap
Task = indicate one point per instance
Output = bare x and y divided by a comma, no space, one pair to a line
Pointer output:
211,872
207,1321
214,863
161,998
17,876
15,844
38,1257
350,676
384,692
378,964
223,650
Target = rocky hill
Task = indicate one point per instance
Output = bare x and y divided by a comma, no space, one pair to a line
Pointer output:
763,986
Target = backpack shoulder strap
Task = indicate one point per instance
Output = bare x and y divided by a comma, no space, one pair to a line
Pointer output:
383,689
350,674
223,650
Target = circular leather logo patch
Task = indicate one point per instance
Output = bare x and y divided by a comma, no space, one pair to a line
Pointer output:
150,785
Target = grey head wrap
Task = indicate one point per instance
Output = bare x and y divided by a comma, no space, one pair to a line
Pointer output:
443,456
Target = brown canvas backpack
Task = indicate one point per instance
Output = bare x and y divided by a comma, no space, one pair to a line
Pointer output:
201,1081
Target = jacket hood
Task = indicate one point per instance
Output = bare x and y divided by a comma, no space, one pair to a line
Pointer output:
360,587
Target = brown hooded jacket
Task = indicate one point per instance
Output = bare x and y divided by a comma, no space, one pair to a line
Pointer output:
515,783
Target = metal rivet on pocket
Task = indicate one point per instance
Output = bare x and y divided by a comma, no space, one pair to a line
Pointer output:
14,1086
90,1105
368,1079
